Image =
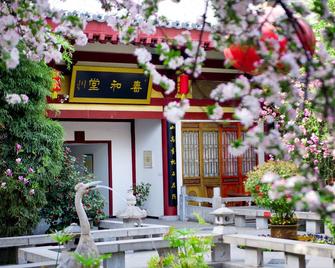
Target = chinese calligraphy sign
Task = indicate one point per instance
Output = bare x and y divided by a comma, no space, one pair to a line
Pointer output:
109,85
172,167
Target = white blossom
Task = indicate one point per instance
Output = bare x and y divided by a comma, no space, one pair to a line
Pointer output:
292,181
288,59
148,27
245,116
217,112
252,104
312,199
270,177
235,150
175,111
143,55
176,62
13,60
168,84
13,99
225,91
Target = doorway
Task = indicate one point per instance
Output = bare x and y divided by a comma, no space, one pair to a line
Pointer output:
97,161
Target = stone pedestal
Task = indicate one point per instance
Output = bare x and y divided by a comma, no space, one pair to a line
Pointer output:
132,214
261,223
117,260
313,227
253,257
295,261
240,221
221,252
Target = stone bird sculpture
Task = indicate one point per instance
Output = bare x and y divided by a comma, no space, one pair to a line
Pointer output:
86,246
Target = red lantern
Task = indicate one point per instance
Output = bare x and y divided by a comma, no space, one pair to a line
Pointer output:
183,84
242,57
56,84
306,36
245,57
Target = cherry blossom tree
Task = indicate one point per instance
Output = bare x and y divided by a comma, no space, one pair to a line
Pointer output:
278,48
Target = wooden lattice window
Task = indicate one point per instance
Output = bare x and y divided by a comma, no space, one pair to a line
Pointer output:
249,159
230,162
191,166
210,152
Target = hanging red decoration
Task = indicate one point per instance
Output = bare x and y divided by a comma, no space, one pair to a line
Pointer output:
245,57
242,57
56,84
183,84
306,36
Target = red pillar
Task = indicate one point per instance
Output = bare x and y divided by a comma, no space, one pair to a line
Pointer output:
168,210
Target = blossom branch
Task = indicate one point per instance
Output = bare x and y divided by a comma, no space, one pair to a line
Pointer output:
307,53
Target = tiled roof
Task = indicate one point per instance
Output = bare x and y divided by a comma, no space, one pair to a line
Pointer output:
170,24
97,30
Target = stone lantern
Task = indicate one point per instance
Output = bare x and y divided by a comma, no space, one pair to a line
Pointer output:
223,217
132,215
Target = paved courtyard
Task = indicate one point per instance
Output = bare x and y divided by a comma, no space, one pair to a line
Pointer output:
271,259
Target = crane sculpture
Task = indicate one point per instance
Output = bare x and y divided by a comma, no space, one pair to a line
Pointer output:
86,246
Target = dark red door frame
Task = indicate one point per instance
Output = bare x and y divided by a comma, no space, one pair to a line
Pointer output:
109,153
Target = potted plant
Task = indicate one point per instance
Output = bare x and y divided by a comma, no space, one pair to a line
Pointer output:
141,192
260,182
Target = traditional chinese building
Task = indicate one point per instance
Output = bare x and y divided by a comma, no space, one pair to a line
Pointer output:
114,115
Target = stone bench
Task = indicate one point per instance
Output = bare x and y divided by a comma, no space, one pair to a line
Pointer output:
295,251
34,240
313,222
262,216
31,265
312,219
118,250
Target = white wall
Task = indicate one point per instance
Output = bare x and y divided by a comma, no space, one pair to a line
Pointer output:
119,134
100,164
148,137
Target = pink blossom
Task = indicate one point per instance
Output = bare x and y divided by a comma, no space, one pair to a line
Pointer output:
24,98
307,113
18,160
31,191
314,138
30,170
21,178
18,148
9,173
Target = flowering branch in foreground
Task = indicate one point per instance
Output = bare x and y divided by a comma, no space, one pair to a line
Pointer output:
239,22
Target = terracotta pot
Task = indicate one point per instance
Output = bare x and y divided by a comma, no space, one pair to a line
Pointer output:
284,231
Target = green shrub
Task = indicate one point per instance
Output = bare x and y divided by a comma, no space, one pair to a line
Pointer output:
191,249
26,123
60,211
282,207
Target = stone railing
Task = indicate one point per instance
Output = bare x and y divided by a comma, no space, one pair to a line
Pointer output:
295,251
188,205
